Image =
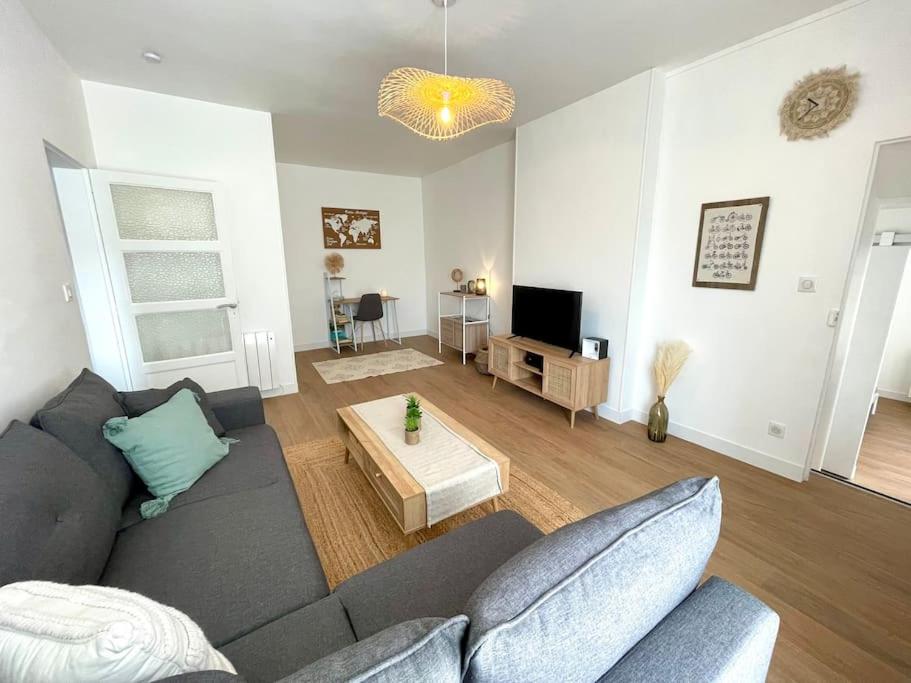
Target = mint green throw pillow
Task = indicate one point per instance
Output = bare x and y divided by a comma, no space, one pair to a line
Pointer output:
169,447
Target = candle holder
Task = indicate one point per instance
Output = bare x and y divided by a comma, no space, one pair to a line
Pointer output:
480,286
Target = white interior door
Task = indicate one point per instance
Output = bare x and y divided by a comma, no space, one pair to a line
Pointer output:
169,256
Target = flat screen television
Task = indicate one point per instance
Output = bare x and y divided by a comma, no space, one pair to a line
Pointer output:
552,316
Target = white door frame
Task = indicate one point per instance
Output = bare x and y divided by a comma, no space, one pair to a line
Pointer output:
838,354
115,247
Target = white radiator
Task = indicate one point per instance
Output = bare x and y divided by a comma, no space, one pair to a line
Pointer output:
259,348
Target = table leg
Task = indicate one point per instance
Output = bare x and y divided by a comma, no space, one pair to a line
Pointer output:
496,504
494,385
350,310
572,419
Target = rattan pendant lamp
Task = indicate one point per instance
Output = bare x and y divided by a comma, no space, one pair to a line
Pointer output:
440,106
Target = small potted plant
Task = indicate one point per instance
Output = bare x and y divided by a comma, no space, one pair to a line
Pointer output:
412,420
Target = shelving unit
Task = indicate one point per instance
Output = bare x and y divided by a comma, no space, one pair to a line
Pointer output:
461,331
341,327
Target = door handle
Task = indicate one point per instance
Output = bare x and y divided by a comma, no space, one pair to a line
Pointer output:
232,305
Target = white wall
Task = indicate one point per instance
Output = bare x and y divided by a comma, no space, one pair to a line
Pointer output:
895,376
762,355
468,223
397,267
580,187
42,343
144,132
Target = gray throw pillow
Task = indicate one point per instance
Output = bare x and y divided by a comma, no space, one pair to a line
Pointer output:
427,649
59,520
139,403
569,606
76,415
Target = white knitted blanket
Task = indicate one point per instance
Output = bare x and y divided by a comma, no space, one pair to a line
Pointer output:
454,474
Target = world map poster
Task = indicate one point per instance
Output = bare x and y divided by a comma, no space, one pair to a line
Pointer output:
351,228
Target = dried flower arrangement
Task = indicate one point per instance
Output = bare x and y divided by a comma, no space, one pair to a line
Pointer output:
669,361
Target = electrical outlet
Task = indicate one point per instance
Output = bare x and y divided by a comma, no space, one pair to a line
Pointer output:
777,429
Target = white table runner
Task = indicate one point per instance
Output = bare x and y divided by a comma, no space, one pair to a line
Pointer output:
455,475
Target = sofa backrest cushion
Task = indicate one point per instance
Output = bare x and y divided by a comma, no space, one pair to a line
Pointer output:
59,521
139,403
428,649
569,606
76,415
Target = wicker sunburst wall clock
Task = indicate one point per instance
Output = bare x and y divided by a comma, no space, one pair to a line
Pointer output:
819,103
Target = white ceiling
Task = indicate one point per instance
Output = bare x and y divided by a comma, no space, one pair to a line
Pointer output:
317,65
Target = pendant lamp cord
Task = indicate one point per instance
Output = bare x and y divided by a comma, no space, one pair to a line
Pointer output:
445,37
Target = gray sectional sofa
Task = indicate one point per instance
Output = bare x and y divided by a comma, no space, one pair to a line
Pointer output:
614,597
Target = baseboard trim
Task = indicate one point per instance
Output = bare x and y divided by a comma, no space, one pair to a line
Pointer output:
750,456
894,395
282,390
311,346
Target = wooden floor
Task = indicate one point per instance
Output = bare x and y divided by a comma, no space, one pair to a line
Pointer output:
834,561
884,464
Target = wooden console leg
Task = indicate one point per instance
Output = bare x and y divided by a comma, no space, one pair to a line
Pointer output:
572,419
595,412
496,504
494,385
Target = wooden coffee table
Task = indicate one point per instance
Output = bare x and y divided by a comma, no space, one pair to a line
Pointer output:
402,495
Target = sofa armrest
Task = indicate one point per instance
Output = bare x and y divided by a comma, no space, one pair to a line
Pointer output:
237,408
719,633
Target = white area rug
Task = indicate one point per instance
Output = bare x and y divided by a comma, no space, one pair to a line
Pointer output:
373,365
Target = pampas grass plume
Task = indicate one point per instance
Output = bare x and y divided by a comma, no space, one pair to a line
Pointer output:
669,362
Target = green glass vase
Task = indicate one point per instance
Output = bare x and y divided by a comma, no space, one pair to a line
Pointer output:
657,421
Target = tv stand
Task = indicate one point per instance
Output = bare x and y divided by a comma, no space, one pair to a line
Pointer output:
575,383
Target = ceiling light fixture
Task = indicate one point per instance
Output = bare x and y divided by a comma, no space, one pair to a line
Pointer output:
440,106
151,57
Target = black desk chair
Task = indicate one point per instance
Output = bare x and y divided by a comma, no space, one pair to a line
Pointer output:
369,310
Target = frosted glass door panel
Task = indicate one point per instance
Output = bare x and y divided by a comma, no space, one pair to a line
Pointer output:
154,213
174,275
183,334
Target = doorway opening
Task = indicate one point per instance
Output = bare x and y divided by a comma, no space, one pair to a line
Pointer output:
869,438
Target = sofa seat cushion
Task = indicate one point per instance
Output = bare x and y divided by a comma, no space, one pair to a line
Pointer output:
569,606
436,578
291,642
76,415
418,650
254,462
59,519
231,563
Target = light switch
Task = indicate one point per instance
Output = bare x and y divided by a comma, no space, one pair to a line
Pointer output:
67,292
806,284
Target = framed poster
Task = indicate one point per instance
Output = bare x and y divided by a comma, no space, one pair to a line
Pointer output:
351,228
730,240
